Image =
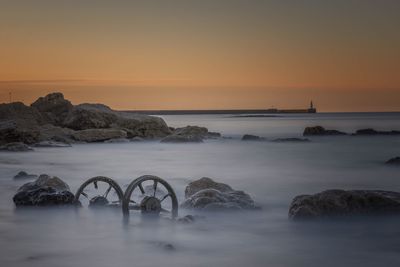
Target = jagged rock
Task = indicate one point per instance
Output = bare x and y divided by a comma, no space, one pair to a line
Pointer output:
25,175
291,140
51,144
249,137
53,107
344,203
319,130
370,131
98,135
394,161
44,191
206,194
16,147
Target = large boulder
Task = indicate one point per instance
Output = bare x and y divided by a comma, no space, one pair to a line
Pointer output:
49,132
88,116
53,107
44,191
339,203
98,135
319,130
208,195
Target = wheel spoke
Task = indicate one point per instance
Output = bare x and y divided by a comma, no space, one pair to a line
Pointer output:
95,185
107,191
155,187
164,197
141,188
84,194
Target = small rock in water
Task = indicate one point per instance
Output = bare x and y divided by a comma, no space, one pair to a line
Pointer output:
249,137
16,147
206,194
319,130
394,161
44,191
344,203
370,131
25,175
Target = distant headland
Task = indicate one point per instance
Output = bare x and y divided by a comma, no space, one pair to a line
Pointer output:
311,109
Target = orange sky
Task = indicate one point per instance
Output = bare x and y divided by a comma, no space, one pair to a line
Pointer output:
345,55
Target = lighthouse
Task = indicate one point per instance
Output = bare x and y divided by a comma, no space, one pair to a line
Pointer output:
312,109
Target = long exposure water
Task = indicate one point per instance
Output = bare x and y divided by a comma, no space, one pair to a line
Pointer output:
272,173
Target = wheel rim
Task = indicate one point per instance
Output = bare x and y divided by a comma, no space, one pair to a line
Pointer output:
154,197
99,198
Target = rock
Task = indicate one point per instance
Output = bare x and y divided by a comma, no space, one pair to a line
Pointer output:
340,203
291,140
44,191
319,130
117,140
16,147
53,107
51,144
18,111
25,175
370,131
205,183
206,194
190,134
98,135
249,137
12,131
394,161
181,139
50,132
85,116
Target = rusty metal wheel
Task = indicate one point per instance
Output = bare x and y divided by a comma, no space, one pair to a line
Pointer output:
150,199
99,195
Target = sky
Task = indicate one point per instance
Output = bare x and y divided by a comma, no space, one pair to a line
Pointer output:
220,54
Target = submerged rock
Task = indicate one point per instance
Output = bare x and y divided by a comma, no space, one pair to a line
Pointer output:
394,161
44,191
344,203
319,130
16,147
24,175
297,140
249,137
370,131
206,194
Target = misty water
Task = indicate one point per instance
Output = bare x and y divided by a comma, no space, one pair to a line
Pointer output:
272,173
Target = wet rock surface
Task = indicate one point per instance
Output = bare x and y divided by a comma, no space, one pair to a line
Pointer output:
319,130
44,191
339,203
16,147
250,137
24,175
208,195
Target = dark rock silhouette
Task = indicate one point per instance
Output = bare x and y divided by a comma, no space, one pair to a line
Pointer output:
319,130
249,137
371,131
394,161
339,203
